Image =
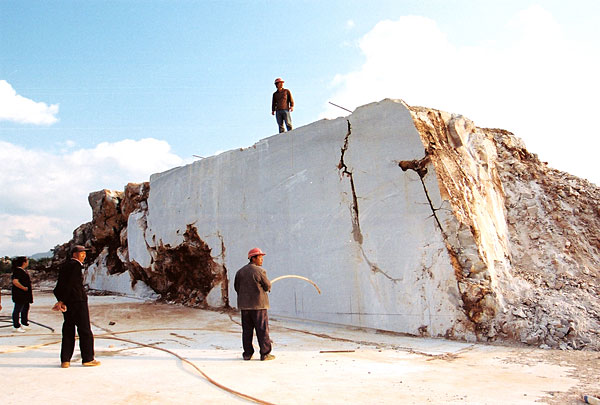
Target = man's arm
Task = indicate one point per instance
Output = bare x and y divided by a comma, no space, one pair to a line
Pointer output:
17,284
63,288
264,281
236,283
290,100
61,291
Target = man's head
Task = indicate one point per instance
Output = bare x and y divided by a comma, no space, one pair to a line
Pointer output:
279,83
78,252
20,261
256,256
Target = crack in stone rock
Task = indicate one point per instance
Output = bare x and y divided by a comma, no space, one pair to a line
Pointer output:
225,282
420,167
474,296
440,134
356,232
354,212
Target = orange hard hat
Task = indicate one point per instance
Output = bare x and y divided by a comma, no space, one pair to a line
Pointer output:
255,252
278,80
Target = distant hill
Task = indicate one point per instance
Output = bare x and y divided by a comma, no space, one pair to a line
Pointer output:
43,255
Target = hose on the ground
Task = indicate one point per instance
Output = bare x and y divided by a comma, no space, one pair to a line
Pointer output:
183,359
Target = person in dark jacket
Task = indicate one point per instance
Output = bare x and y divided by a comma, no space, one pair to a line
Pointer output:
22,295
251,285
72,302
282,105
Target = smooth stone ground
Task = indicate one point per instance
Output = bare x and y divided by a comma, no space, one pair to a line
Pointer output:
379,368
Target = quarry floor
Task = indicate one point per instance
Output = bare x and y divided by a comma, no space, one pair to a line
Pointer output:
315,363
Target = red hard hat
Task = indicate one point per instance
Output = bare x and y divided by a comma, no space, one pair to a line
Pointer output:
279,79
255,252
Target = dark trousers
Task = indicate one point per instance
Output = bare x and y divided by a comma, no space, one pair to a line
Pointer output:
282,116
22,309
255,319
77,315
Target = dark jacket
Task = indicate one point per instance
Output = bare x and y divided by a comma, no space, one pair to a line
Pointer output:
18,295
282,100
69,287
251,285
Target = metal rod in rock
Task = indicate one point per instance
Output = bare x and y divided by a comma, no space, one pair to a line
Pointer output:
339,106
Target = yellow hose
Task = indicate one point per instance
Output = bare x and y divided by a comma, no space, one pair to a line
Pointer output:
295,276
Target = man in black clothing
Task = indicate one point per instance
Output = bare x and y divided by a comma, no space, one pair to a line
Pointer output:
72,302
251,285
22,295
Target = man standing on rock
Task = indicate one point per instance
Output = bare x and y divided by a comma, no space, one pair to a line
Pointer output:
72,302
251,285
282,105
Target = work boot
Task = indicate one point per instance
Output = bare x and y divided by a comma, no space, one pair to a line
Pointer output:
20,329
65,364
267,357
92,363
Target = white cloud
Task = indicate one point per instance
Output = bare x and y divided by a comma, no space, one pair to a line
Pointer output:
43,196
29,234
16,108
530,80
350,24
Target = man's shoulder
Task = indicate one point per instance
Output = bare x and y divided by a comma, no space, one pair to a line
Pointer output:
71,264
244,268
258,269
18,272
250,268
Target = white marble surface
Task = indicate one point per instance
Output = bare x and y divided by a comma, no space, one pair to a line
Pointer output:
287,195
97,278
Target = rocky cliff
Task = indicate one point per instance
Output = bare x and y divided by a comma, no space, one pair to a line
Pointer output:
409,219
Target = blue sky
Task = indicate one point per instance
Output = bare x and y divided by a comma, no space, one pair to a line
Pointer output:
95,94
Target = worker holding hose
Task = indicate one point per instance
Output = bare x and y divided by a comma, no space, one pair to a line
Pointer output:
252,285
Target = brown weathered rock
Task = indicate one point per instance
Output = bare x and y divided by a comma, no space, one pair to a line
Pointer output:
107,218
106,228
553,225
136,195
186,273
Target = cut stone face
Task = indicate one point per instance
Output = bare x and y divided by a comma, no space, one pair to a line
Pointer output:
409,220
